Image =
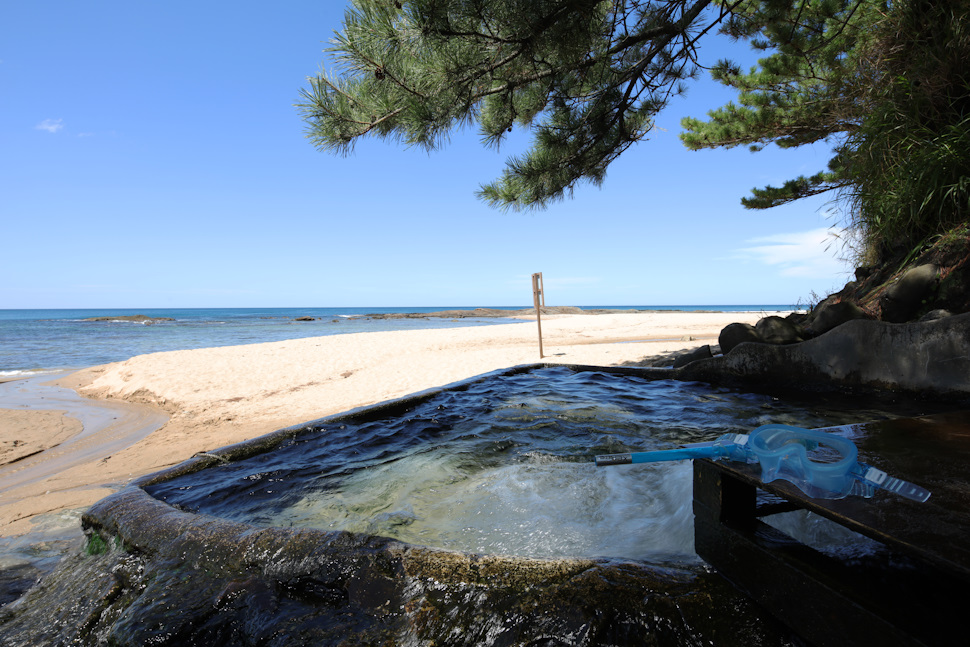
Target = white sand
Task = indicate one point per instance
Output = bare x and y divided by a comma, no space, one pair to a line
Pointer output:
220,396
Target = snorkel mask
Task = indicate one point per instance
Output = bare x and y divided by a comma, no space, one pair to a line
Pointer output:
831,472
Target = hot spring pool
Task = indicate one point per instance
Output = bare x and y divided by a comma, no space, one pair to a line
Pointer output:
503,465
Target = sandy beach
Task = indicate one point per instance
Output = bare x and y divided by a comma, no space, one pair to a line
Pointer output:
157,410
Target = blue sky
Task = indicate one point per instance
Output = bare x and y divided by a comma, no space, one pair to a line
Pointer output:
151,156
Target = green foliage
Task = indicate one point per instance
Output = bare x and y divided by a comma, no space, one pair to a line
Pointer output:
909,162
808,89
586,76
800,187
885,83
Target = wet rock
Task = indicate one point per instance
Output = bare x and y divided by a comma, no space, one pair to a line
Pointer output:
173,578
305,319
144,319
776,330
903,298
15,580
703,352
737,333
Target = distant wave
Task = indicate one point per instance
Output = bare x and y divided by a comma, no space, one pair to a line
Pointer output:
117,321
29,372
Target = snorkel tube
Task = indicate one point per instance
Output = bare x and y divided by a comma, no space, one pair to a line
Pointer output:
783,453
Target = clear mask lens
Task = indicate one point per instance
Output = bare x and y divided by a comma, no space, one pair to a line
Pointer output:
818,463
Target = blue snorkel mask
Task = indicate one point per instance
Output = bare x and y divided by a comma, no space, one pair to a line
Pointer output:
783,453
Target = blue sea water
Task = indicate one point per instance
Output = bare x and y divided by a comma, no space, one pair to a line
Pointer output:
33,341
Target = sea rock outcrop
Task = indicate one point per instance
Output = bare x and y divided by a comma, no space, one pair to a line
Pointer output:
929,359
142,319
848,338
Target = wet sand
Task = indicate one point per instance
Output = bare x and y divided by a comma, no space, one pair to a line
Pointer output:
154,411
17,440
57,442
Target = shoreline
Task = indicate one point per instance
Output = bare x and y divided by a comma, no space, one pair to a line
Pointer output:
529,313
77,435
214,397
124,334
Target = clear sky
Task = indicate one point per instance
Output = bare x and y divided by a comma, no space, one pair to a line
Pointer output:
151,156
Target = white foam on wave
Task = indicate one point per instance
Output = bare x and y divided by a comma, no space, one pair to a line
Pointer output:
28,372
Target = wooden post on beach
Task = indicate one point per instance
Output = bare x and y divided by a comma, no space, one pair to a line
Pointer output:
539,299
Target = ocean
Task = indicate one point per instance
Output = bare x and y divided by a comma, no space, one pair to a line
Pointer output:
40,341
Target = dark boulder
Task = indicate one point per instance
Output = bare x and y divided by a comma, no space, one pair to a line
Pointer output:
933,315
902,299
776,330
703,352
829,314
737,333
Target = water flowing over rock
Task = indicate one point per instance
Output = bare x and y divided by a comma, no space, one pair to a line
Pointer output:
164,577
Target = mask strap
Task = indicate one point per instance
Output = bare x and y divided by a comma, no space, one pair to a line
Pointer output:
869,478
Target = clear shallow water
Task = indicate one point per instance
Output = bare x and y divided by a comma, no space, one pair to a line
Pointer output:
505,467
43,340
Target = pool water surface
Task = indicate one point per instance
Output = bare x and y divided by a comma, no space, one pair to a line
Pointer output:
505,466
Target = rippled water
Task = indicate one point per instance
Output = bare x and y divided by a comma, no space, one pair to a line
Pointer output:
45,340
505,466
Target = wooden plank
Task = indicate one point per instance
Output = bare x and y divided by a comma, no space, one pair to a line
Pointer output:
931,451
892,599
